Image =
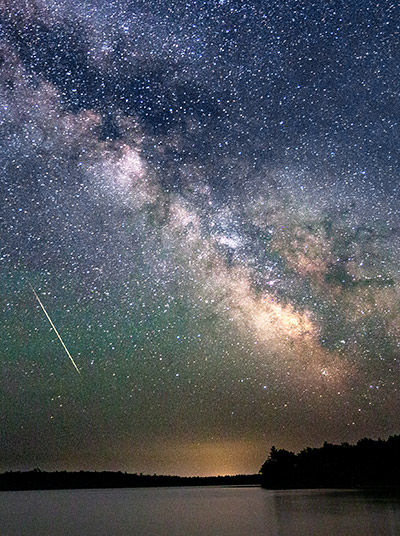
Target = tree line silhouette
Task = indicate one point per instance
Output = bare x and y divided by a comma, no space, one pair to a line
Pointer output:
368,463
37,479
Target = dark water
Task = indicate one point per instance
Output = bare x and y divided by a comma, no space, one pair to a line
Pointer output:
197,511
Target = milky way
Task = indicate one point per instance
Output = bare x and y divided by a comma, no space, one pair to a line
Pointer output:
205,196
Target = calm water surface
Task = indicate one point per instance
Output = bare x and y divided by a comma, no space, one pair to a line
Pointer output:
202,511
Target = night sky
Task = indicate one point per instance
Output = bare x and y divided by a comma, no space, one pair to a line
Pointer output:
205,197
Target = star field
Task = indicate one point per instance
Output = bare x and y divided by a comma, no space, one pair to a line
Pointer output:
205,197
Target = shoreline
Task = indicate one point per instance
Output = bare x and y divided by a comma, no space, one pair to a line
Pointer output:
42,480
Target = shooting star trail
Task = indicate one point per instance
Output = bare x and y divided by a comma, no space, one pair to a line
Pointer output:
54,327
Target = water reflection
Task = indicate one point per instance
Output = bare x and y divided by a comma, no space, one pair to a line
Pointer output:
207,511
326,513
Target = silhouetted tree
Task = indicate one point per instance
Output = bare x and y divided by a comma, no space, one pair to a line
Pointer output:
368,463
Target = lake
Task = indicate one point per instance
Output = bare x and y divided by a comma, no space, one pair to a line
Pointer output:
192,511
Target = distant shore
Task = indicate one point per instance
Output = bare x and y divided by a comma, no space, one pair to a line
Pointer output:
42,480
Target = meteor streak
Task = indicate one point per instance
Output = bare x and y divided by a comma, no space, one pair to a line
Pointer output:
54,327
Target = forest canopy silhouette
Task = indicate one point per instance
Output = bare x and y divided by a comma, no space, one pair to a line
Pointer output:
368,463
